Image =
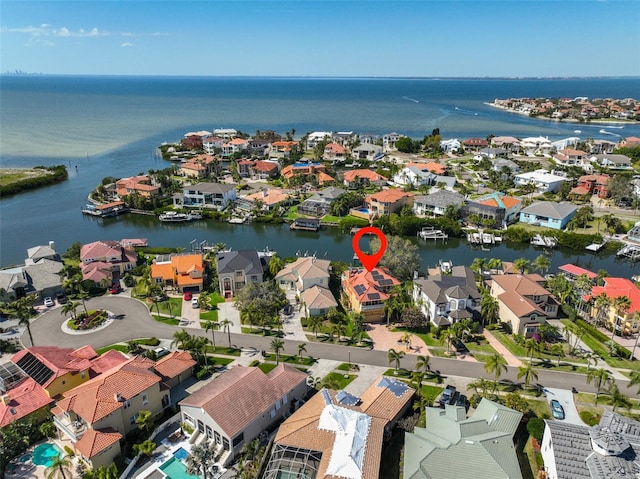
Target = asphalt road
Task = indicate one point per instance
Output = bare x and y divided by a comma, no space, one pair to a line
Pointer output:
138,323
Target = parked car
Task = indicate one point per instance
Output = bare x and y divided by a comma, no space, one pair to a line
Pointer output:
187,296
161,352
557,411
459,345
288,310
194,303
447,396
62,298
461,401
115,288
48,302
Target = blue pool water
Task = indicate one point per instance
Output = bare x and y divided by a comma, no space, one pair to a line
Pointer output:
180,454
44,454
363,210
174,469
25,458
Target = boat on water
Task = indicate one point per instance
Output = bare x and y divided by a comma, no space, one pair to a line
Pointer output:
175,217
544,241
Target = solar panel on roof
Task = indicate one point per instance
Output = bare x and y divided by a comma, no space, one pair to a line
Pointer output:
360,289
385,282
396,387
344,397
374,296
326,397
34,368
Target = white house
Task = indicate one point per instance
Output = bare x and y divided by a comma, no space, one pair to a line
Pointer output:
538,145
316,137
572,157
389,140
450,146
367,151
613,162
206,195
542,179
212,143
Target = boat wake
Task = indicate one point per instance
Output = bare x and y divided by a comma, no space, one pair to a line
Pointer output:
605,132
466,112
410,99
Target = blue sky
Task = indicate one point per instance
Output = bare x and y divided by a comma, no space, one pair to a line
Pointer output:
322,38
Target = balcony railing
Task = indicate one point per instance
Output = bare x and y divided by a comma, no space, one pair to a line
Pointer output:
73,429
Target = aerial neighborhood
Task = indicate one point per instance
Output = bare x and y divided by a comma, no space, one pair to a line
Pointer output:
126,358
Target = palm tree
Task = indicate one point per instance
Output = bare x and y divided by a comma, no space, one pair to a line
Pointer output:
621,305
146,447
489,308
422,363
618,399
533,347
481,386
602,304
634,378
181,339
522,265
315,322
495,365
584,283
145,420
275,265
395,357
201,459
557,349
601,378
478,265
592,358
542,264
23,310
528,372
302,348
277,345
60,467
70,307
212,326
416,380
338,329
226,325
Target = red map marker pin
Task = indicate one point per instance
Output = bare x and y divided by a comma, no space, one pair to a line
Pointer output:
369,261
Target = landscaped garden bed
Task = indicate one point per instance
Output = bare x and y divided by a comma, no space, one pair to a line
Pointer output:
89,320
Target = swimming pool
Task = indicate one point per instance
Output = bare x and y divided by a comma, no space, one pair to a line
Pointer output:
44,454
174,469
180,453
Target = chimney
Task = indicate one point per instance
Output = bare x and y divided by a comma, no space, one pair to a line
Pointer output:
5,399
117,397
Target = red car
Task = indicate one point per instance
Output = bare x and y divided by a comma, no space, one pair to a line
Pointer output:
188,296
115,289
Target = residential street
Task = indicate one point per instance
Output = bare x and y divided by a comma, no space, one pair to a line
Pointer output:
47,329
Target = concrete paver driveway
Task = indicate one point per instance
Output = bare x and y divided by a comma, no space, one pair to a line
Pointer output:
565,398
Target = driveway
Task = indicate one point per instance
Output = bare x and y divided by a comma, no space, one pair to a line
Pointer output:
565,398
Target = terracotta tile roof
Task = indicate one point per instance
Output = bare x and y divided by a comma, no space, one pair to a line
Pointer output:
379,401
577,270
573,152
162,270
324,178
184,263
519,305
265,166
307,267
524,284
389,196
579,190
106,206
238,141
100,249
432,167
370,285
93,442
475,142
334,148
174,363
370,175
24,398
269,197
507,201
106,361
240,395
616,287
318,298
96,398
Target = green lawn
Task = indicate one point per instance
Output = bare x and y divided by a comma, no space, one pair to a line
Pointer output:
266,367
166,320
220,361
431,392
337,380
520,351
169,306
118,347
428,338
223,350
331,219
291,359
209,316
484,347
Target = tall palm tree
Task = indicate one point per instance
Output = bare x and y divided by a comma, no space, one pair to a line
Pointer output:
528,372
302,348
601,379
277,345
522,265
181,339
495,365
201,459
212,326
422,363
634,378
145,420
592,358
146,448
618,399
23,310
275,265
621,305
558,350
541,264
395,357
584,284
489,308
60,467
226,325
602,303
533,347
315,322
70,307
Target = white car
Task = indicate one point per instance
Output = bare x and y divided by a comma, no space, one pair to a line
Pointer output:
194,303
48,302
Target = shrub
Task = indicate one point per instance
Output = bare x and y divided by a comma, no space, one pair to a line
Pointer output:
589,418
535,427
254,363
187,427
69,451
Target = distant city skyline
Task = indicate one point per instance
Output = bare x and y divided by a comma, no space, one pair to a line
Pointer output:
510,39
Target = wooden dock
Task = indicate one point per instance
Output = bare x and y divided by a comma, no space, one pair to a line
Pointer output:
629,251
429,232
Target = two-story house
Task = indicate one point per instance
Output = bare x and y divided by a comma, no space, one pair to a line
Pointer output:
523,303
319,204
447,299
140,185
591,185
436,203
237,269
212,144
624,322
306,169
103,261
366,292
388,201
316,137
542,179
362,178
240,404
237,145
369,152
282,149
199,167
500,208
571,157
185,272
335,152
304,273
217,196
612,161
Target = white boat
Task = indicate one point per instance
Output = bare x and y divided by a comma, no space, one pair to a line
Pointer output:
544,241
175,217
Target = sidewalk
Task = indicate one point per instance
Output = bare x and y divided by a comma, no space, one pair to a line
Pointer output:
502,350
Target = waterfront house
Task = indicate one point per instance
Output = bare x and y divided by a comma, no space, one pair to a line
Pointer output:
184,272
304,273
217,196
493,153
474,144
625,322
306,169
363,178
454,446
21,397
266,199
500,208
317,301
334,152
237,269
140,185
282,149
612,162
579,451
241,404
508,143
386,202
259,147
263,170
318,205
414,175
237,145
199,167
97,414
344,137
367,151
571,157
389,140
572,272
446,299
523,303
538,145
436,203
104,261
316,137
549,214
450,146
543,180
597,147
39,274
226,133
58,370
192,141
367,291
336,434
591,185
212,144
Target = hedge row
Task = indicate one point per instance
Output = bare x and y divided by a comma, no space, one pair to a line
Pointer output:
603,338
